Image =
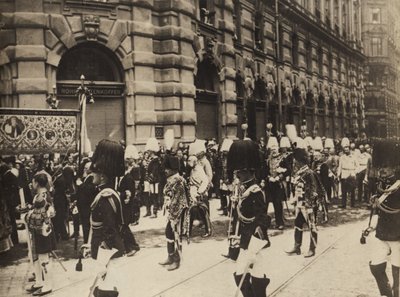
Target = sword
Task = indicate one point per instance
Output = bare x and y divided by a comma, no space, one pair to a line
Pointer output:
58,260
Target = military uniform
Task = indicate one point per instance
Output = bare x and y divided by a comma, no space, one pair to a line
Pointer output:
347,174
308,195
106,221
364,160
176,205
152,184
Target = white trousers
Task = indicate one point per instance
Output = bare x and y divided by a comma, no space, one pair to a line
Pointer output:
383,250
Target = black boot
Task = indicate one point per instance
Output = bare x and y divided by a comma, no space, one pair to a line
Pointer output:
378,271
259,286
313,243
170,250
396,280
246,288
176,261
298,238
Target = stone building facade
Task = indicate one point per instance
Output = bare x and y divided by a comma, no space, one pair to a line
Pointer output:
381,36
202,68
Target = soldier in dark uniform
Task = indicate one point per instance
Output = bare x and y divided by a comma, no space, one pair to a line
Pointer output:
127,189
308,192
253,219
106,210
386,218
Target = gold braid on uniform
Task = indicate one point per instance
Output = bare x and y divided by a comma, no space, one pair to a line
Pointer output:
241,217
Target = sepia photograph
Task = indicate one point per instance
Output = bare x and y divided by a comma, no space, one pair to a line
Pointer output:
200,148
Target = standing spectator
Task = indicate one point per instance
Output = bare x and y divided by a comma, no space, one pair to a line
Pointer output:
10,185
347,173
60,205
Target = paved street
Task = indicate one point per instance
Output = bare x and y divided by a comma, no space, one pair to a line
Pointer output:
340,267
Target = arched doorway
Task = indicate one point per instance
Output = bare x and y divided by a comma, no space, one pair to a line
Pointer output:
103,76
207,100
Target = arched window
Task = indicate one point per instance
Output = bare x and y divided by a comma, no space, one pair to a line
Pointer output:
95,62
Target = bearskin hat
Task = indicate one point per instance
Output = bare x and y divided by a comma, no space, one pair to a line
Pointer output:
108,158
243,154
386,153
171,162
301,155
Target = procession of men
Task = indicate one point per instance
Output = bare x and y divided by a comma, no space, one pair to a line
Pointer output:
261,185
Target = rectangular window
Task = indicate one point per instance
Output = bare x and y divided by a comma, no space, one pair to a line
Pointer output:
376,15
376,46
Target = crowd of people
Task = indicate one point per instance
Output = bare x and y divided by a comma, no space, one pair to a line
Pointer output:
102,194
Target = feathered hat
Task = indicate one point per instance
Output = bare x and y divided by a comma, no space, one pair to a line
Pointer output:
131,152
309,141
329,143
108,158
300,143
317,144
152,145
291,132
169,139
284,142
243,155
197,147
272,143
226,144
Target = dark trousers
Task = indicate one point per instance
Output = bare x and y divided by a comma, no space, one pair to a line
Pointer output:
76,223
85,228
362,191
298,231
347,188
136,209
278,208
170,235
200,213
13,220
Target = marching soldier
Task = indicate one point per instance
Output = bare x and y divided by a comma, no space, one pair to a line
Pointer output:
347,173
106,210
176,205
127,191
308,194
385,218
243,160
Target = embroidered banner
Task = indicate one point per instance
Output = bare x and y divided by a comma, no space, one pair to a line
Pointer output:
32,131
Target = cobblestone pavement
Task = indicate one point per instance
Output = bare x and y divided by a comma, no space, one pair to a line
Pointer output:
339,269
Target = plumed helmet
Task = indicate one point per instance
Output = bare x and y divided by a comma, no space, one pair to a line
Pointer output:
345,142
108,158
197,147
152,145
317,144
131,152
272,143
301,143
309,141
169,139
285,142
291,132
243,155
226,144
329,143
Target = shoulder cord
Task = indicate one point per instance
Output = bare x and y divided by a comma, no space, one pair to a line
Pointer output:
252,189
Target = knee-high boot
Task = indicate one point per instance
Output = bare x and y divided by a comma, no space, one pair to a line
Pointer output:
171,250
298,238
313,244
246,287
396,280
259,286
379,272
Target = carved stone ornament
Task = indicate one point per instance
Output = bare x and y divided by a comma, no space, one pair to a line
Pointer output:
91,25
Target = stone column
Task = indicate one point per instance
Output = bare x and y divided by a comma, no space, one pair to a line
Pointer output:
30,54
340,16
351,18
322,8
331,14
